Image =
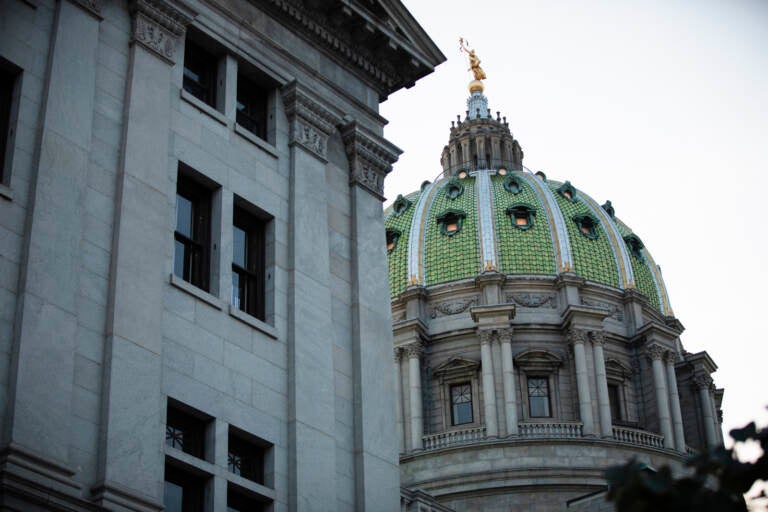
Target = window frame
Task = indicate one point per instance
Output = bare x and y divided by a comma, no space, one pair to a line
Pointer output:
9,112
521,211
252,300
539,363
260,451
195,49
189,479
458,370
548,396
195,271
451,387
245,119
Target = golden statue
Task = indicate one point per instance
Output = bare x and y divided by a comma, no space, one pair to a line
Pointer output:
474,60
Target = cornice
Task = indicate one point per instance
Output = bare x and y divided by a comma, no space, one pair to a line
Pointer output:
370,157
584,317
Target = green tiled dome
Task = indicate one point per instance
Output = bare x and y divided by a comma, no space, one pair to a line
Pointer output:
460,227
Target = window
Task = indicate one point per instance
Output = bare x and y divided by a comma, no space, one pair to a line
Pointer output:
248,262
8,81
239,500
252,107
401,205
635,246
614,398
512,185
461,403
191,260
451,221
200,67
608,207
538,397
587,225
454,189
246,455
567,191
184,489
521,216
393,236
185,429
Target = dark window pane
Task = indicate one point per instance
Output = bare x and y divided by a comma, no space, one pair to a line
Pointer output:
538,397
173,498
237,291
184,216
246,459
7,81
185,432
199,73
615,402
252,107
239,247
461,403
178,259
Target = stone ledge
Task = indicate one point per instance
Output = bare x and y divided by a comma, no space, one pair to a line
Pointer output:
203,107
6,192
255,139
195,291
253,322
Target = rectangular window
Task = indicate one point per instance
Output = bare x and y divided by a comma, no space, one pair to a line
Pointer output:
246,455
185,430
184,490
538,397
240,500
200,68
461,403
8,79
614,399
191,260
252,107
248,262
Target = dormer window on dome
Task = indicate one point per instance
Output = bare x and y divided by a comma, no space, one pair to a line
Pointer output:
587,225
567,191
608,207
513,185
451,222
454,189
393,235
541,175
401,205
521,216
635,246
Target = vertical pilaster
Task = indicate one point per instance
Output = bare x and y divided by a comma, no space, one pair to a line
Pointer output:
413,351
376,461
132,458
603,402
311,404
508,378
655,353
399,399
578,338
674,402
45,337
489,388
703,383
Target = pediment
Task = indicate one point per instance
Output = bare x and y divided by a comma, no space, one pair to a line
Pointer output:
457,366
538,358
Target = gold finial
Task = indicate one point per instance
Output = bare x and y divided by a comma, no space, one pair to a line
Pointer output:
474,66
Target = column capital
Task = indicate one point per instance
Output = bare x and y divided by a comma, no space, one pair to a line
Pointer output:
158,26
413,350
370,157
597,337
311,122
670,357
486,335
91,6
655,352
398,354
505,335
702,381
577,336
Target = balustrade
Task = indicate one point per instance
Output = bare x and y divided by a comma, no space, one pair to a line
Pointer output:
638,437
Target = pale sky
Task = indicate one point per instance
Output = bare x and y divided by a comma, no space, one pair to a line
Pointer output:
659,106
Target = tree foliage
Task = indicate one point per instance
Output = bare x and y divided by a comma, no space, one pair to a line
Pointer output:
716,481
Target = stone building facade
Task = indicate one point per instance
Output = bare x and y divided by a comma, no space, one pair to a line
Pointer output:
535,344
193,288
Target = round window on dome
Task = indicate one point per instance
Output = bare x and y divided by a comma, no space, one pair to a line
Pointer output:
453,189
512,185
463,175
502,171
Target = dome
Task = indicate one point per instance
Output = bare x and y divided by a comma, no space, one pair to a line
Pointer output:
493,215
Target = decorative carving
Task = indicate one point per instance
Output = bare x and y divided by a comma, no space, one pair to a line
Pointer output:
655,351
505,335
577,336
670,357
616,311
370,157
414,349
702,381
597,337
453,307
310,122
533,300
398,353
158,26
485,337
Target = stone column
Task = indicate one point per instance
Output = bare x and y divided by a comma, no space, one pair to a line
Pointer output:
603,402
508,376
312,419
578,338
376,459
489,387
132,460
414,351
674,402
655,353
703,383
399,400
42,369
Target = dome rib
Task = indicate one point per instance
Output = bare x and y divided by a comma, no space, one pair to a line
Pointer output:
563,253
416,236
485,225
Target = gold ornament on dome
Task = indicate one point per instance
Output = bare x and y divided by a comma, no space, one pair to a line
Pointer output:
474,66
